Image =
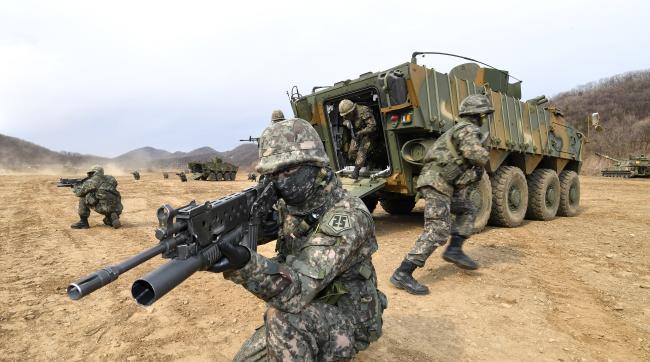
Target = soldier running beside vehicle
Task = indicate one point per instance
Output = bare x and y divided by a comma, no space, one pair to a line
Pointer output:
363,128
321,287
98,192
454,162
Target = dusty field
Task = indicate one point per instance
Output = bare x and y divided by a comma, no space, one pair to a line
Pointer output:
569,289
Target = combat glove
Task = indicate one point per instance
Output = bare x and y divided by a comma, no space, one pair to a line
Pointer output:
234,257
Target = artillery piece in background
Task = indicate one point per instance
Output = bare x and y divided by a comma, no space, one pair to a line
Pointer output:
213,170
632,167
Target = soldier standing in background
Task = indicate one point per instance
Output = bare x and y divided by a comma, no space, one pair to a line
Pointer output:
363,127
321,288
98,192
136,174
455,161
182,176
277,116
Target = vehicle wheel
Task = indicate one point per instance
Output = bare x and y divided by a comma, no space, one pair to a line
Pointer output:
509,197
481,196
543,194
398,204
569,193
371,202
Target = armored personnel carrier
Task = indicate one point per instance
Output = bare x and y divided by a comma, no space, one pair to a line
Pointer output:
632,167
213,170
535,156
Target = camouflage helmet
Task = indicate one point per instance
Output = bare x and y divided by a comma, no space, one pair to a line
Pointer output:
475,104
277,116
95,170
288,143
346,106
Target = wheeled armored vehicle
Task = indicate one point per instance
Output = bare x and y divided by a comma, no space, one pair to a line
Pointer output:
535,155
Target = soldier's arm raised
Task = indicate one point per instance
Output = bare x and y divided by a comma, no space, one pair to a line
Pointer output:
329,252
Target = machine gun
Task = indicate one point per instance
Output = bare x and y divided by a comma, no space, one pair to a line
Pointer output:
252,139
70,182
190,237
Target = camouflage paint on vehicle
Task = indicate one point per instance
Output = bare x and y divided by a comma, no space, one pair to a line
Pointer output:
632,167
213,170
415,105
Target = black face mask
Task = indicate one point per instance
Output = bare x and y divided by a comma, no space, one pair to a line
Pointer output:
295,187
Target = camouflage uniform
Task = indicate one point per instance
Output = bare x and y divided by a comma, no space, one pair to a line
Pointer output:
444,197
455,161
321,287
365,130
99,193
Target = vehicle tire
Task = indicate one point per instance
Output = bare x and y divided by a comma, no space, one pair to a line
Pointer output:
371,202
569,193
398,204
509,197
219,176
543,194
481,196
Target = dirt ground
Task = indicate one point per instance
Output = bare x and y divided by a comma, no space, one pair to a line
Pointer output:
570,289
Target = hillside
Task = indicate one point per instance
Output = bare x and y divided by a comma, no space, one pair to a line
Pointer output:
623,102
244,155
20,155
16,153
141,157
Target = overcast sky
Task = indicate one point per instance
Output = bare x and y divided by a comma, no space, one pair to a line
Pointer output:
107,77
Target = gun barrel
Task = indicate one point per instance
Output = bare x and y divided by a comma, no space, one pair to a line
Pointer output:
155,284
107,275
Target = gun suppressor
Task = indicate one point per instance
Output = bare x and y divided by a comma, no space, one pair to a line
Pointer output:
91,283
158,282
109,274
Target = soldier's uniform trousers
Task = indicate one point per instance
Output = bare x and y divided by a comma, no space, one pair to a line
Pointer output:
360,151
105,206
319,332
438,221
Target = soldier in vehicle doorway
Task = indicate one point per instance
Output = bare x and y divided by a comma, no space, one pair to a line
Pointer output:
454,162
363,128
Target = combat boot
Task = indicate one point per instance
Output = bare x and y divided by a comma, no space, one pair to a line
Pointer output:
107,221
81,224
454,253
402,278
115,221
